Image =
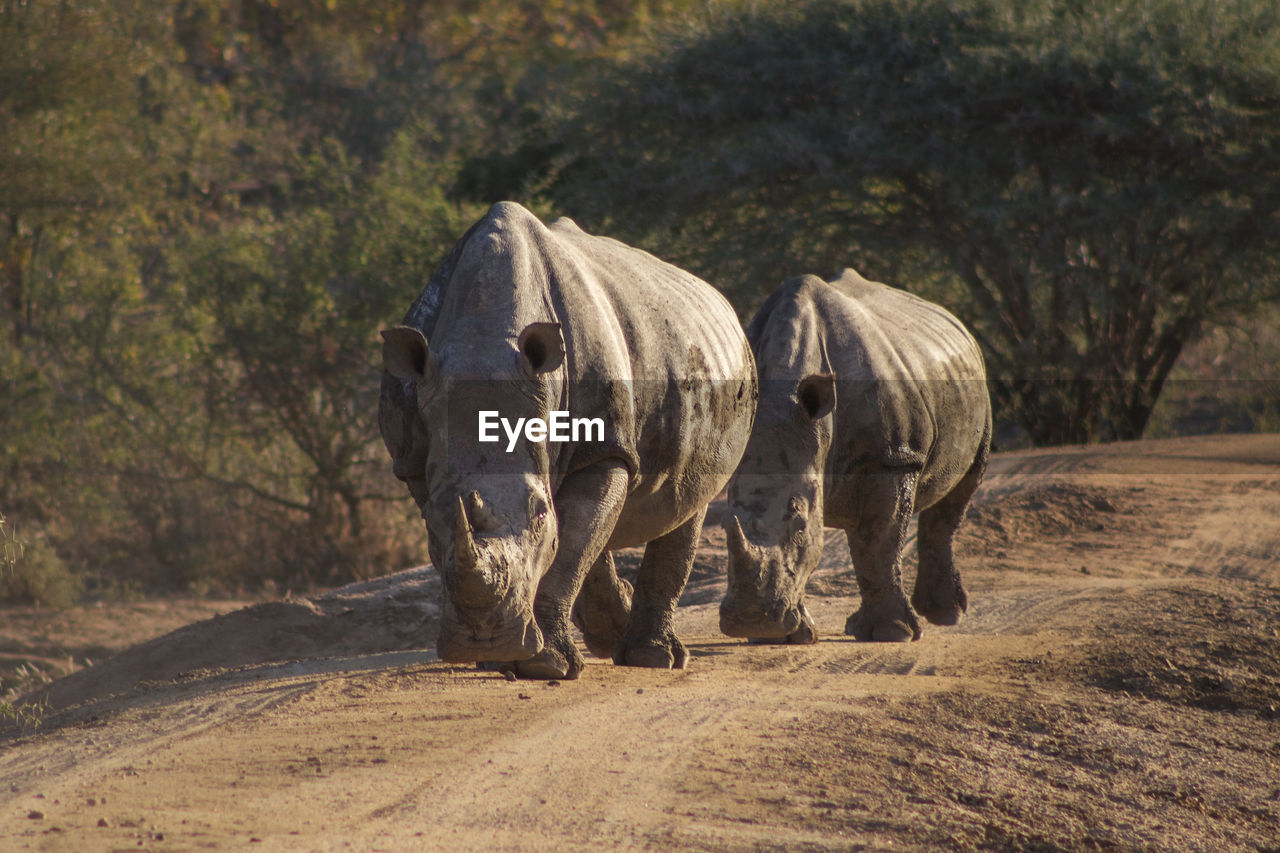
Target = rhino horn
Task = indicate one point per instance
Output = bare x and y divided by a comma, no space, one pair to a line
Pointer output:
479,513
466,556
737,539
473,585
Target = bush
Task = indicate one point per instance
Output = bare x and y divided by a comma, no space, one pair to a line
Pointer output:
31,571
11,548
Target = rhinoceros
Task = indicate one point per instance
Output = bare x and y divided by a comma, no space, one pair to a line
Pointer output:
873,407
523,320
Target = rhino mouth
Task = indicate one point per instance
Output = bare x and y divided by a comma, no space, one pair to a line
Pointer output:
759,620
462,641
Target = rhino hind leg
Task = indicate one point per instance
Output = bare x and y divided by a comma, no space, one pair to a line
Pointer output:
876,544
650,639
603,609
939,595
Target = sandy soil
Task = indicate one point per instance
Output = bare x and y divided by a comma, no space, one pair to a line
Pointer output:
1116,684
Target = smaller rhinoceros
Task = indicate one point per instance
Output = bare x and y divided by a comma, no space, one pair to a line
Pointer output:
873,407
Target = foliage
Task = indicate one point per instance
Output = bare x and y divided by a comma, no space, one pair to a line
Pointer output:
11,548
293,300
40,577
1227,382
31,571
77,175
1091,185
208,210
24,715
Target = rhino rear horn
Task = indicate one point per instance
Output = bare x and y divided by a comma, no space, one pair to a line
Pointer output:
542,347
466,557
404,352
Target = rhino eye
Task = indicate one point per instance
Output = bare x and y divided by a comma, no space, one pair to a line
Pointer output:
537,509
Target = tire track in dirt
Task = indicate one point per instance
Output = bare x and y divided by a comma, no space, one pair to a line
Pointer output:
166,719
644,728
1222,543
597,768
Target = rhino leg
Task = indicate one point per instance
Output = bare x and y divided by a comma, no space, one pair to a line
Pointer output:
603,609
587,504
651,639
939,595
876,544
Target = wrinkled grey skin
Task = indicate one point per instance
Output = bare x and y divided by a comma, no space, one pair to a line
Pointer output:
873,407
524,319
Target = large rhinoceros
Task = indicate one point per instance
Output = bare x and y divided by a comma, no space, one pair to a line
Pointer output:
873,407
525,320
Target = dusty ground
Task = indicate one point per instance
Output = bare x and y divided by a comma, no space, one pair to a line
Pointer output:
1115,685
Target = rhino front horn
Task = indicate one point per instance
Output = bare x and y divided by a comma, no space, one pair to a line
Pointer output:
466,556
737,540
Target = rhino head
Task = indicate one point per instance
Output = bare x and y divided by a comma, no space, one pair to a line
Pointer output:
775,527
490,516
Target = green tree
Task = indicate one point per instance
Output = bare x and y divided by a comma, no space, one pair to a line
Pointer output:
294,301
207,211
375,107
65,103
75,172
1091,185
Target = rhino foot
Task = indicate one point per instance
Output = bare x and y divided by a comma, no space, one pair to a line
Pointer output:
805,635
884,621
550,664
602,615
667,652
943,607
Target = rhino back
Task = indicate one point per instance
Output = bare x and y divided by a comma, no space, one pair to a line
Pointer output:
624,313
688,370
902,335
673,324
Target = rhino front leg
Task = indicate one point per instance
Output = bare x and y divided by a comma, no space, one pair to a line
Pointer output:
939,595
587,505
603,609
876,544
651,638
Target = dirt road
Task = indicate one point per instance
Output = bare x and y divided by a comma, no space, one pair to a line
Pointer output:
1116,684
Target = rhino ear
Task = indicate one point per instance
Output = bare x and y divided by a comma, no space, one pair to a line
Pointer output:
404,352
542,347
817,395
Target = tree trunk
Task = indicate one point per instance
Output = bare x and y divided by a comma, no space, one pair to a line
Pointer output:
13,297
